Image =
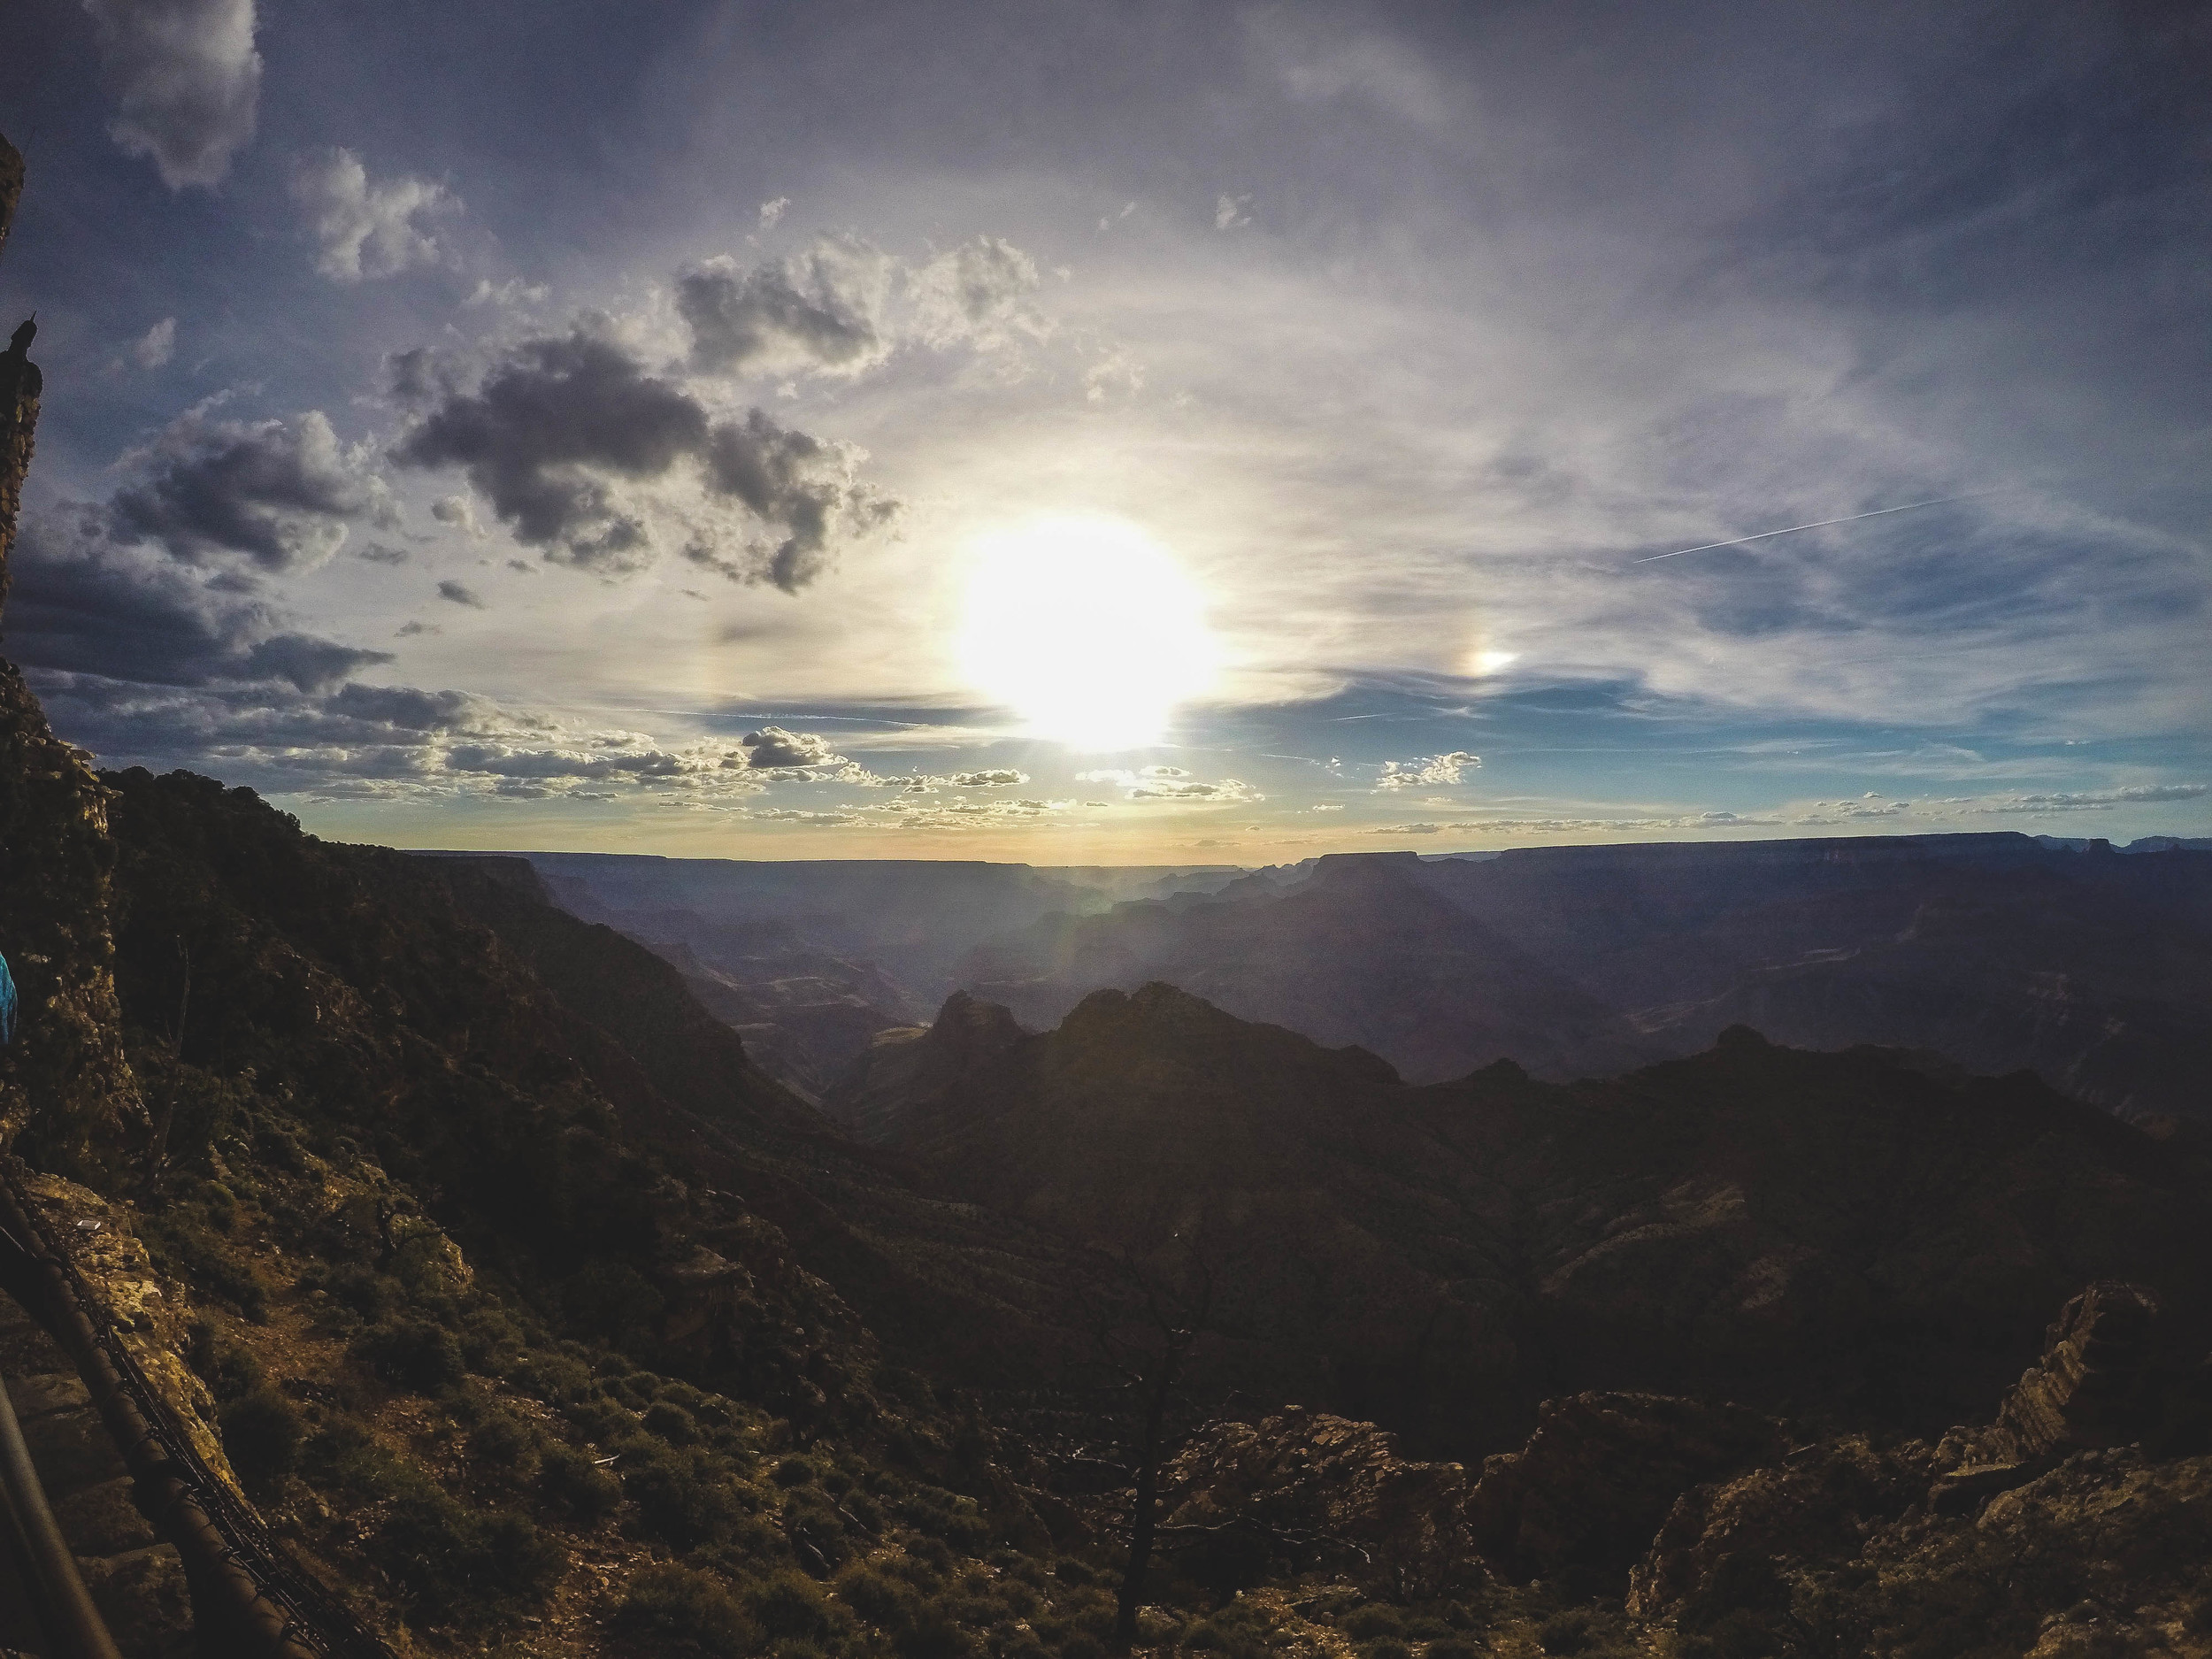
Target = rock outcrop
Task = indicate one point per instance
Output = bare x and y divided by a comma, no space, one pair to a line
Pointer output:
1304,1488
1599,1474
66,1092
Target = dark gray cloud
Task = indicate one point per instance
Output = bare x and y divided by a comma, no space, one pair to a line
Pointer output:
276,492
82,606
460,594
538,437
186,81
561,420
792,482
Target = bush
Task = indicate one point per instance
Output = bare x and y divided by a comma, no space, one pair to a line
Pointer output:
453,1558
674,1503
368,1293
569,1478
412,1353
504,1442
788,1603
683,1612
490,1341
1385,1648
672,1424
1567,1632
262,1434
792,1471
884,1602
1364,1624
932,1634
1453,1648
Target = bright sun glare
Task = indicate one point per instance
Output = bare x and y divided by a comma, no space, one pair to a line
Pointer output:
1088,628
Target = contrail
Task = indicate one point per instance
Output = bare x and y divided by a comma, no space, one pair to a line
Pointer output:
1820,525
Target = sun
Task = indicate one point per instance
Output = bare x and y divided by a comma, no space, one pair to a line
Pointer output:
1088,628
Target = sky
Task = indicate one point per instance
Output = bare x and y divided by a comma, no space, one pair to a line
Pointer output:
1122,432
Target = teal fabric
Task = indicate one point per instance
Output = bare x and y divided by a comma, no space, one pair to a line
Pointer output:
7,1003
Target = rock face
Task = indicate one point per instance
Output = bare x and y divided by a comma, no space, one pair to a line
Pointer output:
2051,1530
1857,1232
1304,1489
2097,1383
1599,1474
66,1093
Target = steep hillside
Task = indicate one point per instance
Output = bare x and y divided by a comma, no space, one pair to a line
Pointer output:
1862,1234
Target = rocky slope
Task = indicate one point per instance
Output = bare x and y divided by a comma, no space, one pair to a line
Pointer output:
1860,1233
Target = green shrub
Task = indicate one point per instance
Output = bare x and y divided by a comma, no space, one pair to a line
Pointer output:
679,1611
455,1559
790,1603
490,1341
884,1602
1451,1648
569,1478
674,1503
1568,1632
261,1435
412,1353
932,1634
504,1442
1385,1648
367,1293
1364,1624
672,1424
601,1420
792,1471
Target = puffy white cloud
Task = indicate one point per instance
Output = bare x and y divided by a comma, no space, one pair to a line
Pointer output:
992,779
365,229
772,212
843,305
156,347
773,748
1427,771
186,81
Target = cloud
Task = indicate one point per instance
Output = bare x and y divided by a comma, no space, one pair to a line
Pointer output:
786,815
996,778
771,213
1229,791
382,553
843,306
788,480
774,748
1406,829
365,230
157,345
83,606
460,594
1229,211
970,815
186,82
277,493
559,421
1427,771
460,511
2094,801
818,310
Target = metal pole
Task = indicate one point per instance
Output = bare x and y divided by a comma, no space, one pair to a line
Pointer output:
49,1571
